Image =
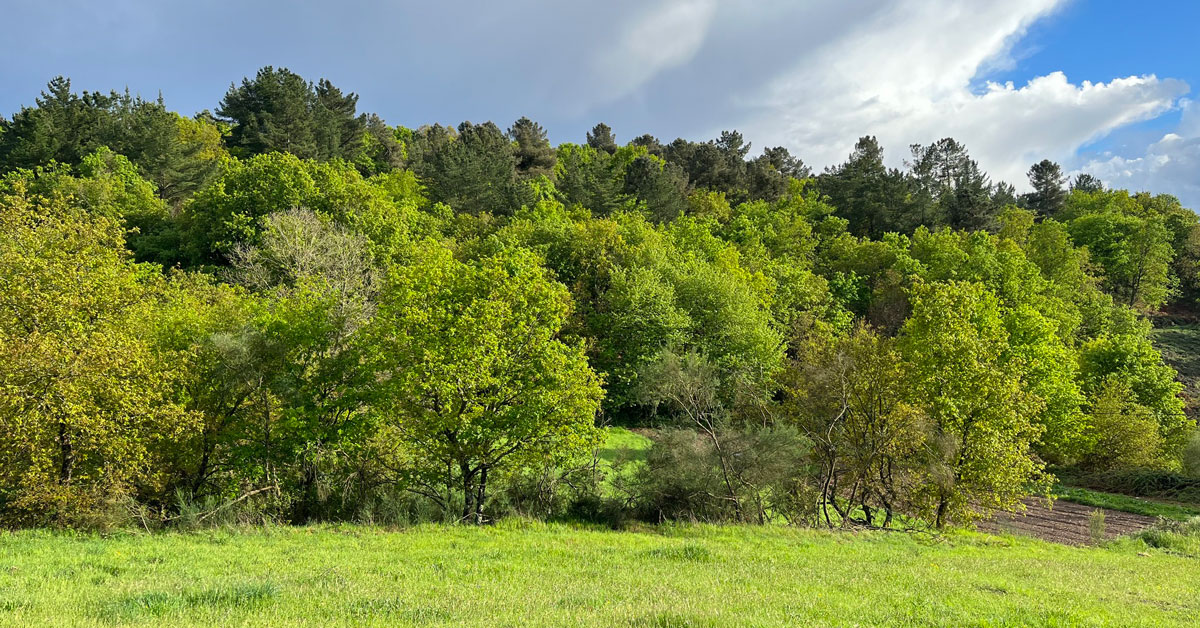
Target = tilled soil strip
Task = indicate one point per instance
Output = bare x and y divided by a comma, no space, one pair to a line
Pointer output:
1065,522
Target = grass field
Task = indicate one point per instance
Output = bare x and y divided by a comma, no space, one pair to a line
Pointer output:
1138,505
518,573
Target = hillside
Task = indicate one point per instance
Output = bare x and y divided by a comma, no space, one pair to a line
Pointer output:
1180,347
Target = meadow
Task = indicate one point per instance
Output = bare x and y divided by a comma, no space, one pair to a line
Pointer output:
525,573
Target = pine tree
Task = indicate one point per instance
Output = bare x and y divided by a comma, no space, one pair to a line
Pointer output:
1087,183
1048,194
601,138
534,154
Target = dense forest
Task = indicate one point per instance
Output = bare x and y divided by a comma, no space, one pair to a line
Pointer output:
291,308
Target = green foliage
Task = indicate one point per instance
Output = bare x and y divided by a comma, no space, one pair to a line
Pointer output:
474,170
280,111
871,445
392,325
1132,359
83,393
984,418
1191,456
177,154
1132,246
473,375
535,156
1048,194
1126,434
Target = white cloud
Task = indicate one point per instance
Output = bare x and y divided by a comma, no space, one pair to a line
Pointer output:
659,39
906,77
1169,166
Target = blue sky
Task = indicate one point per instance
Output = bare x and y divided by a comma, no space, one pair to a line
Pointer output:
812,75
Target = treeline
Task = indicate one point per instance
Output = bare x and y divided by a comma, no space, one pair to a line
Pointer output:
294,310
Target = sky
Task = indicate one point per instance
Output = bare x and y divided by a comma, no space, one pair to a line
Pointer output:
1100,86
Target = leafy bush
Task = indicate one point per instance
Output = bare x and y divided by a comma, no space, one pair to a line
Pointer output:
1180,537
1191,456
686,478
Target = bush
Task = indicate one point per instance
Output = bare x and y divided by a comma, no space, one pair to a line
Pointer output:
685,478
1191,456
1127,436
1178,537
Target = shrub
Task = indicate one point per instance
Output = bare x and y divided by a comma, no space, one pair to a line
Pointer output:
686,478
1127,436
1191,456
1179,537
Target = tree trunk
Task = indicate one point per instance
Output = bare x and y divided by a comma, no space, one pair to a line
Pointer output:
65,451
468,481
479,499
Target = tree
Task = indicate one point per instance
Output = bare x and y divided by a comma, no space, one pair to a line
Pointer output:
179,155
535,156
280,111
1129,357
1048,195
601,138
690,386
84,397
1134,253
869,196
590,178
1086,183
660,186
638,318
62,127
983,418
952,186
475,172
474,378
848,394
1125,432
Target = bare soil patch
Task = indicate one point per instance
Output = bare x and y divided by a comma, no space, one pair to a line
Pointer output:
1065,522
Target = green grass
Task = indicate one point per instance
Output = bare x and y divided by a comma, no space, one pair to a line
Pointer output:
519,573
1125,503
620,443
1180,347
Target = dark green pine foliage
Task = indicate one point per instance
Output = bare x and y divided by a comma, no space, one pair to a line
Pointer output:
872,198
473,171
1048,193
785,163
589,178
768,174
337,128
535,156
650,143
952,188
601,138
62,127
1087,183
661,186
280,111
149,135
65,127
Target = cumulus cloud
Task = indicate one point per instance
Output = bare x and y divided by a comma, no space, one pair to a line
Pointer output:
1169,166
906,77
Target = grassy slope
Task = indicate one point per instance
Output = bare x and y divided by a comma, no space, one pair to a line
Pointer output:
1138,505
531,574
1180,347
